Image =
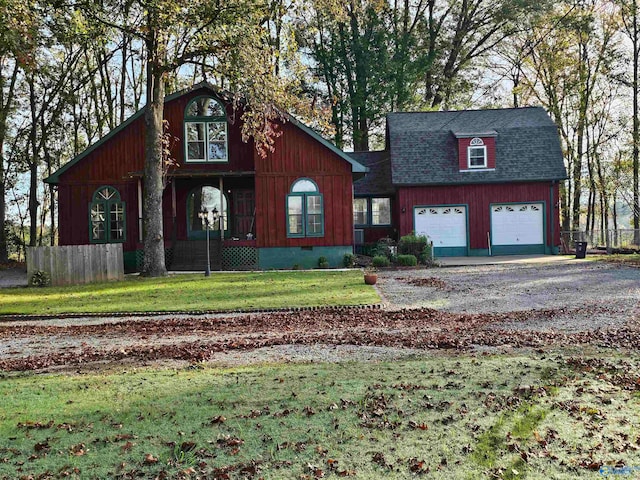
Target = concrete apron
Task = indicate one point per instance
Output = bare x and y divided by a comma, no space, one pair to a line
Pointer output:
505,259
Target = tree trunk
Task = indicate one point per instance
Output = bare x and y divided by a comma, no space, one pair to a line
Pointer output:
636,127
154,260
4,250
33,167
6,102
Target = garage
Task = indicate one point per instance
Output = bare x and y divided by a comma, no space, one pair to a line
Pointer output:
445,226
517,229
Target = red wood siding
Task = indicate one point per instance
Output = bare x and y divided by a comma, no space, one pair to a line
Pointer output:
298,155
124,152
73,212
463,145
478,199
112,163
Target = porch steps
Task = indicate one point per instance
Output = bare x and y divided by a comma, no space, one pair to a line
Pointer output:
191,255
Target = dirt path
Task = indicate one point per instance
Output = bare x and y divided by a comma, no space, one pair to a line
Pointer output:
484,308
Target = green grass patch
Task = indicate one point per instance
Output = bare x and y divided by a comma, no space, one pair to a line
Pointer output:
438,417
632,260
230,291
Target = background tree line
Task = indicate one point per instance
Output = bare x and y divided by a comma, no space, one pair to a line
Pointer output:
71,70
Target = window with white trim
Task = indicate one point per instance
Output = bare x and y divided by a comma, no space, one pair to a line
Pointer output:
205,131
107,216
305,210
477,154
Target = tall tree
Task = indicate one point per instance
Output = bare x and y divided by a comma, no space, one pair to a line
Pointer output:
632,30
17,33
174,34
571,54
376,56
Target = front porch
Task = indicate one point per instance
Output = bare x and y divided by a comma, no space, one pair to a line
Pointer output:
228,198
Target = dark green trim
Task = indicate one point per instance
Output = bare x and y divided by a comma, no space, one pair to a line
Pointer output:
450,251
297,180
447,249
107,211
202,234
517,250
206,120
369,198
355,166
304,196
524,249
54,178
130,261
301,257
552,223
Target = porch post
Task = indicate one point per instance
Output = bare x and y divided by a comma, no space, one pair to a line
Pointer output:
174,234
221,188
139,210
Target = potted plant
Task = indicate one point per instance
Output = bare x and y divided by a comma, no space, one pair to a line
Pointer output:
370,275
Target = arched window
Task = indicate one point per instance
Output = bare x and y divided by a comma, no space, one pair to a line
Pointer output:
205,130
107,216
206,198
476,154
305,211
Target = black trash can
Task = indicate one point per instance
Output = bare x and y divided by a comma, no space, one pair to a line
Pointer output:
581,249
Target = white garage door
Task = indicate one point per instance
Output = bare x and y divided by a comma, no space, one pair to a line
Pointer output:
445,226
520,224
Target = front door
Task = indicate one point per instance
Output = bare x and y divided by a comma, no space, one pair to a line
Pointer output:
206,199
244,212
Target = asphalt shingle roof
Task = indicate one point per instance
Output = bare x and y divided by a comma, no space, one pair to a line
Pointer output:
423,146
378,179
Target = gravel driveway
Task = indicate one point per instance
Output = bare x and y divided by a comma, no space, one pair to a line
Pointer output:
608,293
481,307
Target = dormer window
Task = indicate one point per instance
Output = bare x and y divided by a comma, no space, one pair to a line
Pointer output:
477,153
205,127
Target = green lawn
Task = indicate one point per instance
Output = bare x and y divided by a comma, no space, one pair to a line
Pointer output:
220,291
439,417
632,260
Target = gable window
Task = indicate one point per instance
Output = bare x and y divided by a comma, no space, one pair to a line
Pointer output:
305,210
106,216
372,211
477,154
205,127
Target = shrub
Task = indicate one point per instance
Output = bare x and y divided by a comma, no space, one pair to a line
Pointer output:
416,245
384,247
407,260
349,260
323,262
40,279
380,261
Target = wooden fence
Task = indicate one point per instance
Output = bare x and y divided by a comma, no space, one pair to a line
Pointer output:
76,264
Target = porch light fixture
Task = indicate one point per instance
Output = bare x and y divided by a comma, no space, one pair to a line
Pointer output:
204,215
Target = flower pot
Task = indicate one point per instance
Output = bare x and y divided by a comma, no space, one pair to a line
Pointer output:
370,278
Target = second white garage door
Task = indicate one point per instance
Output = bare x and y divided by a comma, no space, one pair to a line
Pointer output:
517,228
446,227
